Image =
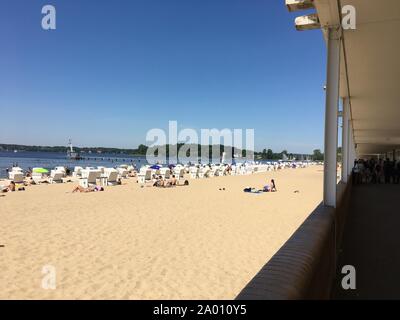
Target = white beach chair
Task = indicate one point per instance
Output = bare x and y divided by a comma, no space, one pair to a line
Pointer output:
36,176
194,172
89,178
123,172
17,177
249,170
77,172
179,173
223,171
101,169
204,172
214,171
56,176
111,175
61,170
145,175
165,173
16,170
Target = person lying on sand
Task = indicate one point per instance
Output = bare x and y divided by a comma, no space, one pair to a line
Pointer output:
270,187
173,182
13,187
10,188
89,189
253,190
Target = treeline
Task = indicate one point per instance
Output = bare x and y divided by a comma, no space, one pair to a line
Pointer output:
140,150
268,154
63,149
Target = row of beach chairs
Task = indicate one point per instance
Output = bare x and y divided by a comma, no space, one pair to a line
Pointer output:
146,174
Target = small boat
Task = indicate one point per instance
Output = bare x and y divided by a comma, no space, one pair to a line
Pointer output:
71,154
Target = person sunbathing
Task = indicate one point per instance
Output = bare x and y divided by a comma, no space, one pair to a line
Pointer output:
132,174
86,190
267,188
160,182
10,188
270,187
172,182
29,182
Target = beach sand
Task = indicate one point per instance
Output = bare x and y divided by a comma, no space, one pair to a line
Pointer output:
193,242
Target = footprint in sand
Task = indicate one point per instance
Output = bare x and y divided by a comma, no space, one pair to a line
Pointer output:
138,285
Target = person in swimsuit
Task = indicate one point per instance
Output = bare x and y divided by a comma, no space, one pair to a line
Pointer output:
172,181
273,186
10,188
89,189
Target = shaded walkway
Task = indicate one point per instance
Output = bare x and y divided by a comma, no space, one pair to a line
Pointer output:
371,243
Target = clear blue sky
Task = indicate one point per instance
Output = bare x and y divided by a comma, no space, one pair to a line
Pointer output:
114,69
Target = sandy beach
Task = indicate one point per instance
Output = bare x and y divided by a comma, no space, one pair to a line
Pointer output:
128,242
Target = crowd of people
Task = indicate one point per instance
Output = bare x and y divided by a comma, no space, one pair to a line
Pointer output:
376,171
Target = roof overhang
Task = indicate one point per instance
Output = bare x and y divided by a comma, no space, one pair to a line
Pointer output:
370,70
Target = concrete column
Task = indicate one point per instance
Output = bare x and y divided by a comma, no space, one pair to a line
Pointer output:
331,117
345,140
351,147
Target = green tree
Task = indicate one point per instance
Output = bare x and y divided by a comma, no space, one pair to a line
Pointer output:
264,154
142,149
318,155
270,154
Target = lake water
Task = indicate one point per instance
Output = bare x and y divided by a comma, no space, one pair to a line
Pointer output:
49,160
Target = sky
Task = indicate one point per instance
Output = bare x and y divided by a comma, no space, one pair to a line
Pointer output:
113,70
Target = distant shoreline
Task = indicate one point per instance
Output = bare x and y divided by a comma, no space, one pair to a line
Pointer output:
62,149
141,150
92,154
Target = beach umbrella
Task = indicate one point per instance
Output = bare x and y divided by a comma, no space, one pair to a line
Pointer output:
155,167
40,170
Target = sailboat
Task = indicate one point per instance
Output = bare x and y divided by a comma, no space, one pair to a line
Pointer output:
71,154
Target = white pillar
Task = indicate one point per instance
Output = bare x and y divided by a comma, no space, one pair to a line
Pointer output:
345,140
351,147
331,117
